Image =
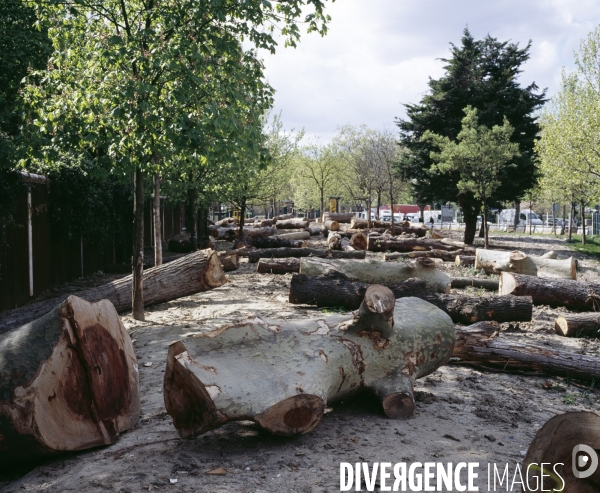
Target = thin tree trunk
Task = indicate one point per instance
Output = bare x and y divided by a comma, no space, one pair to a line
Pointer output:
582,223
470,215
137,260
322,202
157,223
562,230
378,205
530,218
484,225
242,217
570,222
190,218
517,214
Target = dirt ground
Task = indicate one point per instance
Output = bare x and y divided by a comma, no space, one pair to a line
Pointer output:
463,414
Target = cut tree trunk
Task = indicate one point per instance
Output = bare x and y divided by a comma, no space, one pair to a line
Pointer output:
578,325
574,295
373,271
478,345
334,241
296,223
216,377
137,259
299,235
277,242
398,244
156,218
278,265
496,261
249,232
194,273
331,225
335,289
464,260
283,217
340,217
68,381
267,222
229,261
255,255
314,230
555,443
441,254
476,282
358,241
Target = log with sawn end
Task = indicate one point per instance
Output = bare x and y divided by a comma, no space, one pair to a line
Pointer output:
475,282
255,255
278,265
446,256
399,244
578,324
496,261
335,289
197,272
282,373
68,381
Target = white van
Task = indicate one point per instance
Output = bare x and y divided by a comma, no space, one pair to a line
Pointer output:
526,217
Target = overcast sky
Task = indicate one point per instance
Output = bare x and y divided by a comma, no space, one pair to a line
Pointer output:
379,54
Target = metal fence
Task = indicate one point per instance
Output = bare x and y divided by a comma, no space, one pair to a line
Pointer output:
535,228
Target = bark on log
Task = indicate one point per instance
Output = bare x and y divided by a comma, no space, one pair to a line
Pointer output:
335,289
397,244
299,235
334,241
476,282
277,242
225,221
478,345
283,217
554,444
194,273
255,255
68,381
267,222
331,225
373,271
278,265
296,223
358,241
441,254
340,217
578,325
496,261
574,295
217,377
464,260
314,230
229,261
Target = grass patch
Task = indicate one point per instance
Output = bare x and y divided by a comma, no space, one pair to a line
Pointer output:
592,246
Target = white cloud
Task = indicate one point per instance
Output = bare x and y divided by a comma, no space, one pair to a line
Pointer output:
380,54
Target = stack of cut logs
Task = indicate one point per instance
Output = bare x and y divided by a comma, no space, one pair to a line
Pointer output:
68,370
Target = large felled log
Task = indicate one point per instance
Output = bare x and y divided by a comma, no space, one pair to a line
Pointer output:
398,244
331,225
335,289
232,233
296,223
496,261
277,242
283,217
476,282
314,230
267,222
229,261
194,273
340,217
559,444
298,235
358,241
441,254
373,271
582,296
478,345
255,255
68,381
578,325
278,265
464,260
281,373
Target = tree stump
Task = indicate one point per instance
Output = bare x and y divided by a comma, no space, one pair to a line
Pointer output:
281,373
496,261
68,381
373,271
555,443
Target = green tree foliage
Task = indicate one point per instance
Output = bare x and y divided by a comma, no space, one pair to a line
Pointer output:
482,74
480,156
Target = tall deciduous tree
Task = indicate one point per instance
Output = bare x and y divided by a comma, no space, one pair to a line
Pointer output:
483,74
133,85
479,155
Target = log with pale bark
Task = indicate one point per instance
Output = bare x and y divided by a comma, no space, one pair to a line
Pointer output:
399,244
303,365
335,289
232,233
194,273
441,254
479,345
574,295
68,381
373,271
277,242
267,222
229,261
334,241
464,260
296,223
255,255
555,443
476,282
283,217
314,230
496,261
278,265
297,235
578,324
340,217
331,225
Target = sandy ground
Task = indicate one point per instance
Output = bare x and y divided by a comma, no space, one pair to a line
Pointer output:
463,414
